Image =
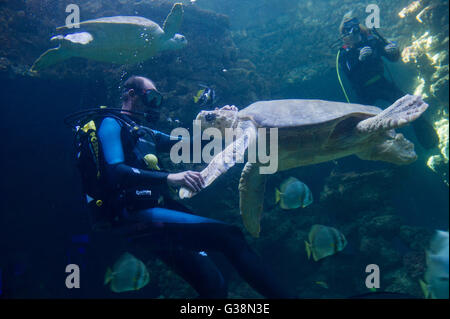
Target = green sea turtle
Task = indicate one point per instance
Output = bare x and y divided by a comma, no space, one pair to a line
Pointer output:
309,132
119,39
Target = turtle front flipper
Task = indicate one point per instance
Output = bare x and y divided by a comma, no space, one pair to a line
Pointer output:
232,154
402,112
251,188
173,21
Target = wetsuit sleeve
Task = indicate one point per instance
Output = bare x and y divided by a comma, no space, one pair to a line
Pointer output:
117,172
163,141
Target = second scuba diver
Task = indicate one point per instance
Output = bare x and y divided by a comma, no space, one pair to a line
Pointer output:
361,59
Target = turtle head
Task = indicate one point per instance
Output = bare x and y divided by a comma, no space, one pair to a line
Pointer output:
177,42
225,117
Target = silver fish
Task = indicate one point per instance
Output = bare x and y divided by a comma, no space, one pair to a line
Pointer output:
293,194
324,241
127,274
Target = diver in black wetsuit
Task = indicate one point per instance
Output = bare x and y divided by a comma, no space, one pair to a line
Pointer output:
135,207
361,59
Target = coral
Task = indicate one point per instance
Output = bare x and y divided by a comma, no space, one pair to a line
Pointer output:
387,226
416,238
399,281
379,249
439,163
370,188
429,53
415,264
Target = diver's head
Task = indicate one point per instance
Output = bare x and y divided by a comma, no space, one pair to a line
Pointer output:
225,117
140,95
350,29
178,41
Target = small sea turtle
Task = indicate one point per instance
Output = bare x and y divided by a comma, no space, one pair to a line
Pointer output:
119,39
309,132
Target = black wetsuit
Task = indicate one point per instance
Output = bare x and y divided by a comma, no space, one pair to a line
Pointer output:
370,84
180,239
367,77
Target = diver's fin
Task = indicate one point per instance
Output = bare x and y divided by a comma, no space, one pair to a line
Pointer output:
49,58
108,276
277,195
308,249
173,21
425,133
402,112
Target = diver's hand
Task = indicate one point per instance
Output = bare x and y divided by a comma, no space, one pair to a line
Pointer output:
189,179
391,48
365,53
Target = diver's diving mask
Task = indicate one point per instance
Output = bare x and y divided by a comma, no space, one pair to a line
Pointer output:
351,27
152,98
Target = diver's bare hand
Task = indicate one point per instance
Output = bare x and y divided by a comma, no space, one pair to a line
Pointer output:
189,179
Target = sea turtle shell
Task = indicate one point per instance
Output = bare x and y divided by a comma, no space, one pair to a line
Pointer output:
295,113
129,27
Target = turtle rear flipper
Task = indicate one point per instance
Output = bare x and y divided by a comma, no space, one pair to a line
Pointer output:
173,21
49,58
402,112
61,53
251,189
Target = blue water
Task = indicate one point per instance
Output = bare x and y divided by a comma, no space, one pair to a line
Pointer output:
245,50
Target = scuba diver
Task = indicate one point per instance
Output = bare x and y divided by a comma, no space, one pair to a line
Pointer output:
361,59
128,193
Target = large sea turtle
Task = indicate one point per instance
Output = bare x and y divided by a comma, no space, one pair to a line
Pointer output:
309,132
119,39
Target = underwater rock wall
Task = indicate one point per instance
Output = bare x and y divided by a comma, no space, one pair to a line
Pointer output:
427,50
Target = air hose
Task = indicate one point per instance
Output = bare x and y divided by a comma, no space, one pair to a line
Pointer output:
339,76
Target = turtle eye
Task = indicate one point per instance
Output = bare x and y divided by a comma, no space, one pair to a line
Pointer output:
210,117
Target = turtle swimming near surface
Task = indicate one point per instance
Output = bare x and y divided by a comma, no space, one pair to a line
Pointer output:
119,39
309,132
